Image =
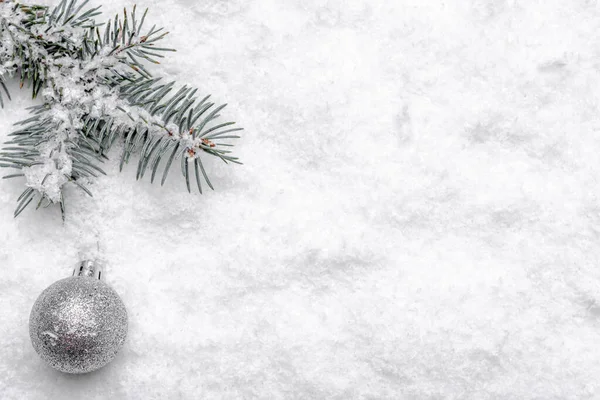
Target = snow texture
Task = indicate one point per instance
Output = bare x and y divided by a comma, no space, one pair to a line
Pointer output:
417,216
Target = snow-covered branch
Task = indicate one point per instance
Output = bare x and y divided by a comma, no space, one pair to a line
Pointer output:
96,89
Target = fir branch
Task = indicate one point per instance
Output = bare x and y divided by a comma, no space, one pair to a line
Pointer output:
96,89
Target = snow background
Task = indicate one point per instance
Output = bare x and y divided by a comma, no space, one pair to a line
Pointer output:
417,216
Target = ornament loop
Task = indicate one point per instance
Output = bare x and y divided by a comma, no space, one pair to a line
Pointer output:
88,268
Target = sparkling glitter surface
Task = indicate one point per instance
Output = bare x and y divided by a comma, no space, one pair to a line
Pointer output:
78,325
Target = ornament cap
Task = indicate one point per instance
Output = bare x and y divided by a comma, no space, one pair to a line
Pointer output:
88,268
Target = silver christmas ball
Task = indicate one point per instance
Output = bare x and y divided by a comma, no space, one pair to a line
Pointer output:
78,324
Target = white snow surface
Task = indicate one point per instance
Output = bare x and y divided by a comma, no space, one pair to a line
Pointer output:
417,217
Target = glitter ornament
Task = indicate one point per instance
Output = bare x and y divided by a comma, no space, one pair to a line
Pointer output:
78,324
